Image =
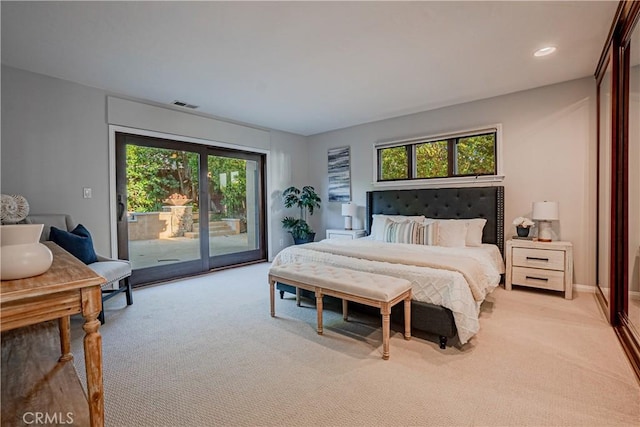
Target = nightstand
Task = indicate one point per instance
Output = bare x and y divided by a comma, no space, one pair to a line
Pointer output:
544,265
344,234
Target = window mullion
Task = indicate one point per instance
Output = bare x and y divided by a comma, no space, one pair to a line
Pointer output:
411,174
450,157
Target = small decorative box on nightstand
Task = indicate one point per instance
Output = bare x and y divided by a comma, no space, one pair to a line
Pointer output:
344,234
544,265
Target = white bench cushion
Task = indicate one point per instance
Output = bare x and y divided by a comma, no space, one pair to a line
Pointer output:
113,271
359,283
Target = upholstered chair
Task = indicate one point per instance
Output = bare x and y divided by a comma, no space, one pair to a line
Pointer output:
115,271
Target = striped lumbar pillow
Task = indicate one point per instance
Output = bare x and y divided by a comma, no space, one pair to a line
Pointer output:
400,232
414,232
426,233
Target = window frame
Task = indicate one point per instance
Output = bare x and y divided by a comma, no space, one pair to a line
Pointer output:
451,137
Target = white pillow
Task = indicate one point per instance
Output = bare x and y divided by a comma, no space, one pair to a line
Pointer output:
452,233
377,226
474,231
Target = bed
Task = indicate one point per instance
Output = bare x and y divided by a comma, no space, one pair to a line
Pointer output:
448,318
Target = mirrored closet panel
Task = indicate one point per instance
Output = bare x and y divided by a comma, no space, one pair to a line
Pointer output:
605,112
633,311
618,175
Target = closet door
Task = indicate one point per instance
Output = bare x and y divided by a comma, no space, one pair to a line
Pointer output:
629,305
604,177
633,131
618,243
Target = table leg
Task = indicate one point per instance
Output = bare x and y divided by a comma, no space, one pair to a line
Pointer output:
345,309
65,339
298,296
91,307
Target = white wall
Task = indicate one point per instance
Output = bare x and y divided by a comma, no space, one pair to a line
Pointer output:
55,141
549,149
288,166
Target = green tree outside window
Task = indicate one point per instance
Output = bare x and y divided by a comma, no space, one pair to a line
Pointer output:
452,157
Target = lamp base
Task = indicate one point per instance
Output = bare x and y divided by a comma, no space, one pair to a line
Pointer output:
348,223
544,231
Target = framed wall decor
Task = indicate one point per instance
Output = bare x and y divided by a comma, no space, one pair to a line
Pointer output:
339,162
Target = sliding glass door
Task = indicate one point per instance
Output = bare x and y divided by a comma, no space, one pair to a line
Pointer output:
186,208
234,186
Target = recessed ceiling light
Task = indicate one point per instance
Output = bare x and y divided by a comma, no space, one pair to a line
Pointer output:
548,50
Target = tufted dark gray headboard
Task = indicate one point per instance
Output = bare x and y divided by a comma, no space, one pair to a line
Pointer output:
444,203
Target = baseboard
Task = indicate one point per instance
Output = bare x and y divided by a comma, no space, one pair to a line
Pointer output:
584,288
634,295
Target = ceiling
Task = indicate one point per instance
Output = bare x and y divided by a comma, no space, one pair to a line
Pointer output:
307,67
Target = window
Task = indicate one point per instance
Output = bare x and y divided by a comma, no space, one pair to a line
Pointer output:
468,154
395,163
431,159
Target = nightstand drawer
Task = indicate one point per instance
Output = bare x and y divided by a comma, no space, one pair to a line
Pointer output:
544,279
538,258
340,236
344,234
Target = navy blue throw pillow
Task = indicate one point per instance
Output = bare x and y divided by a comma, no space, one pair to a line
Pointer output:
77,242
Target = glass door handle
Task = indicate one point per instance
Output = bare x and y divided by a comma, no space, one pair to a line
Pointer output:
120,207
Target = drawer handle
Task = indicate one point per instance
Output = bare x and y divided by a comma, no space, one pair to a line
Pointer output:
535,258
544,279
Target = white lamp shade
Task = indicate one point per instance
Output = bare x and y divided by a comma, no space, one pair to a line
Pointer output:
349,209
545,211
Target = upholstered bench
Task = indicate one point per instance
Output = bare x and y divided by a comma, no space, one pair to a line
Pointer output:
350,285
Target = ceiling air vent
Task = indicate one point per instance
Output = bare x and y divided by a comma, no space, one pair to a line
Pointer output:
184,104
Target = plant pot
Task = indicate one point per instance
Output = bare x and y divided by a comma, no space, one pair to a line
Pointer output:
522,231
21,253
307,239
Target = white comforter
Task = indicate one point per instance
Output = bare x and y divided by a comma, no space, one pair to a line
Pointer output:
447,288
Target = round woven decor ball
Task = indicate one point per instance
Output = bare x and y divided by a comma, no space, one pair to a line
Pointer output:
13,208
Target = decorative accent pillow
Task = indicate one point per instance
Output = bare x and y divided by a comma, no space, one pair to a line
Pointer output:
78,243
378,224
427,233
452,233
410,231
474,231
400,232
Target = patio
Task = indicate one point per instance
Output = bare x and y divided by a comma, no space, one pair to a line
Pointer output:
151,253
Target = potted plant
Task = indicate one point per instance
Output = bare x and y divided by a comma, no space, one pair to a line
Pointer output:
522,226
306,200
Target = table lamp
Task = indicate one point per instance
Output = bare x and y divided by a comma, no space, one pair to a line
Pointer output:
545,212
349,210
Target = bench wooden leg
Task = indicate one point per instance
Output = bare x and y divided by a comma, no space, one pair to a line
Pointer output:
319,310
386,326
345,309
298,297
407,318
272,297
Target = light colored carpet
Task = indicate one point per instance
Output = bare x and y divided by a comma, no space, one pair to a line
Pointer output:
204,351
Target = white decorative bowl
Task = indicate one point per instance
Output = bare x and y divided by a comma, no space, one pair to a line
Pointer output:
21,253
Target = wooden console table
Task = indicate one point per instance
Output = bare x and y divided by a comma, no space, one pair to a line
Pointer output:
68,287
